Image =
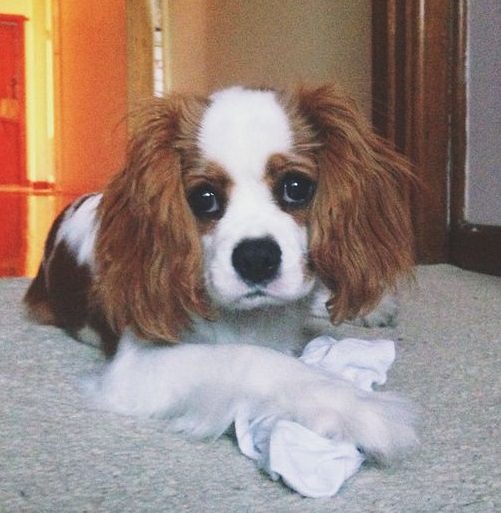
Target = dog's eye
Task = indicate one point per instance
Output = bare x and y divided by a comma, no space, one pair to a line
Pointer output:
204,202
296,190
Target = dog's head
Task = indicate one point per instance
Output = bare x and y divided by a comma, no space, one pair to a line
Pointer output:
243,201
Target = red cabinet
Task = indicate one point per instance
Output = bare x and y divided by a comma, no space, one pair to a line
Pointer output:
12,101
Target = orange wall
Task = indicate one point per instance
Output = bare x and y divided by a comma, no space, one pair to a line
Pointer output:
91,92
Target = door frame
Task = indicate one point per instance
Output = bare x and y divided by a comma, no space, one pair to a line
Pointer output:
411,107
419,104
21,86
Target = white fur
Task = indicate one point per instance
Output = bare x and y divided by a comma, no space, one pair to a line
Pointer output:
242,128
201,388
78,229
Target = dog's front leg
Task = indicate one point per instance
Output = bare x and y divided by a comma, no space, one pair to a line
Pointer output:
200,388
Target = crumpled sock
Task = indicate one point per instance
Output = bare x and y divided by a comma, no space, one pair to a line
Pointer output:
308,463
364,363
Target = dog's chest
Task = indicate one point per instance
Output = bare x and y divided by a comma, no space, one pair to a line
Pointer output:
279,328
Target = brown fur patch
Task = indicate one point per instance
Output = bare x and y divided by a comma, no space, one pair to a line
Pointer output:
36,298
68,286
37,303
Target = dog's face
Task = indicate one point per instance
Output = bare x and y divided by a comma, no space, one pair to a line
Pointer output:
251,194
243,201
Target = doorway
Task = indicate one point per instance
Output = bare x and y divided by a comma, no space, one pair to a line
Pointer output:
12,101
427,99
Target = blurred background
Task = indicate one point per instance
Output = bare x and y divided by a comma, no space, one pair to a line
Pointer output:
72,72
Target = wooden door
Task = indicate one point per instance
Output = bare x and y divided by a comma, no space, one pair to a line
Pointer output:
12,101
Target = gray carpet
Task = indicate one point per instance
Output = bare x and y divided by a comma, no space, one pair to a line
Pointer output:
56,455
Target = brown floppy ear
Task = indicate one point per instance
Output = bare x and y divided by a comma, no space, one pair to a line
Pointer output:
361,234
148,252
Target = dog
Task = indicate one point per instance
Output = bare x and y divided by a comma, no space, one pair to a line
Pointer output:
196,269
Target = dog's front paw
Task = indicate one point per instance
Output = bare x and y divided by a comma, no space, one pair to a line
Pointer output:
385,314
381,424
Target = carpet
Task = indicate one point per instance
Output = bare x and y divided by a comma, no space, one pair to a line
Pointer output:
57,455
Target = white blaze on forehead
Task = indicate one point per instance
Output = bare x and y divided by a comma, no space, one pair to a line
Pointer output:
242,128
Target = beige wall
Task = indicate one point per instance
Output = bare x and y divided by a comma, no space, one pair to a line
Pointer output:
214,43
483,168
185,42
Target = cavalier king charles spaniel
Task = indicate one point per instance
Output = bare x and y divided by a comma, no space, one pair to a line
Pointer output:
197,267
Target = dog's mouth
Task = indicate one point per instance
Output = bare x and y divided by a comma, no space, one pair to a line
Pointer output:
257,298
255,294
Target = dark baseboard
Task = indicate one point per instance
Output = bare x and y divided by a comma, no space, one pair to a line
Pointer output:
477,248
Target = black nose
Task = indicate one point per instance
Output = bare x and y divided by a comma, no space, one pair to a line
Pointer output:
257,260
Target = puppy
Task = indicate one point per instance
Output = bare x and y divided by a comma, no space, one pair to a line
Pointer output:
232,215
